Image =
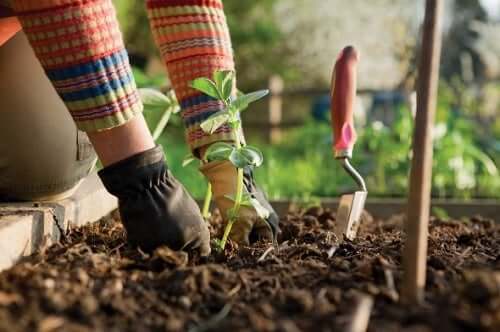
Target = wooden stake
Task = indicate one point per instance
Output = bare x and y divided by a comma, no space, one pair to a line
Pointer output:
415,251
361,314
276,86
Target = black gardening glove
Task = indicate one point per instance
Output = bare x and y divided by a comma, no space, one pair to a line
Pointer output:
154,207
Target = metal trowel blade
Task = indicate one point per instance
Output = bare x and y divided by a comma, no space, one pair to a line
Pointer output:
349,214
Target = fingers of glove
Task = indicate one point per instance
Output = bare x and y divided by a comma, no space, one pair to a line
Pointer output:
204,241
273,223
197,236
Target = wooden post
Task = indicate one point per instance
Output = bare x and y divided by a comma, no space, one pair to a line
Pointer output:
276,86
361,315
415,251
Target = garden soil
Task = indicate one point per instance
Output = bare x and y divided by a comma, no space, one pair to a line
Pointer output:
92,281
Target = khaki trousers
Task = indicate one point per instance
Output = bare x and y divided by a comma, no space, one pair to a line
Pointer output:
42,155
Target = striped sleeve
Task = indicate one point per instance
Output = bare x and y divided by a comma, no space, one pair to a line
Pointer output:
80,46
194,41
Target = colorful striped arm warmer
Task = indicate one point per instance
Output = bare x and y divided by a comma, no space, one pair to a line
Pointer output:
80,46
194,41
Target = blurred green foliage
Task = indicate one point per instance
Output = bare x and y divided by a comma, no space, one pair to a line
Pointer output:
144,81
467,149
254,35
135,27
303,167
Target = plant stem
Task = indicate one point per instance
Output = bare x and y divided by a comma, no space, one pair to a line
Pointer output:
235,209
162,123
239,193
227,230
206,203
239,181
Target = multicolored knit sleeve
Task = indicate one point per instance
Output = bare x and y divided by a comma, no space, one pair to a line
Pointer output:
194,41
80,46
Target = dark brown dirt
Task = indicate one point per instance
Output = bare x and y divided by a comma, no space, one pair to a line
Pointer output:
94,282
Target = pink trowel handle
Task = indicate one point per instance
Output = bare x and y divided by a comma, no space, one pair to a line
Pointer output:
343,97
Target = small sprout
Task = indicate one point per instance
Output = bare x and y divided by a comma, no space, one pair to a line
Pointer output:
206,86
221,88
440,213
219,151
205,212
224,81
155,101
152,98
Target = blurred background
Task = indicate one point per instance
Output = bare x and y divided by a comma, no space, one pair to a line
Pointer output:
289,46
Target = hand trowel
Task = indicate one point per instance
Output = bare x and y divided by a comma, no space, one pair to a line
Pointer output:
344,136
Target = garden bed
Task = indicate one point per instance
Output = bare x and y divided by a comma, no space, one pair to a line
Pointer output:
92,281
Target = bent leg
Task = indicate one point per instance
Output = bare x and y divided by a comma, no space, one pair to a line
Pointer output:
42,155
80,46
81,49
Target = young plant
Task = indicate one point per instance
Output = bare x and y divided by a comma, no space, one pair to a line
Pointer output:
155,101
221,88
205,212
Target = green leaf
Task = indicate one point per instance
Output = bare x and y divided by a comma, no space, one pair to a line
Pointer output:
482,157
253,155
174,102
156,101
214,122
224,81
206,86
243,101
238,159
246,156
188,160
219,151
440,213
262,212
152,98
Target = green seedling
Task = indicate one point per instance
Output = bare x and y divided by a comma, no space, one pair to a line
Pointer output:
221,88
205,212
155,101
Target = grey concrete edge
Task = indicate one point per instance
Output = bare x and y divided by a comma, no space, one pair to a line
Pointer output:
26,227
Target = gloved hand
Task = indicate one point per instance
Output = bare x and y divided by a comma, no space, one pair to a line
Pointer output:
154,207
249,227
